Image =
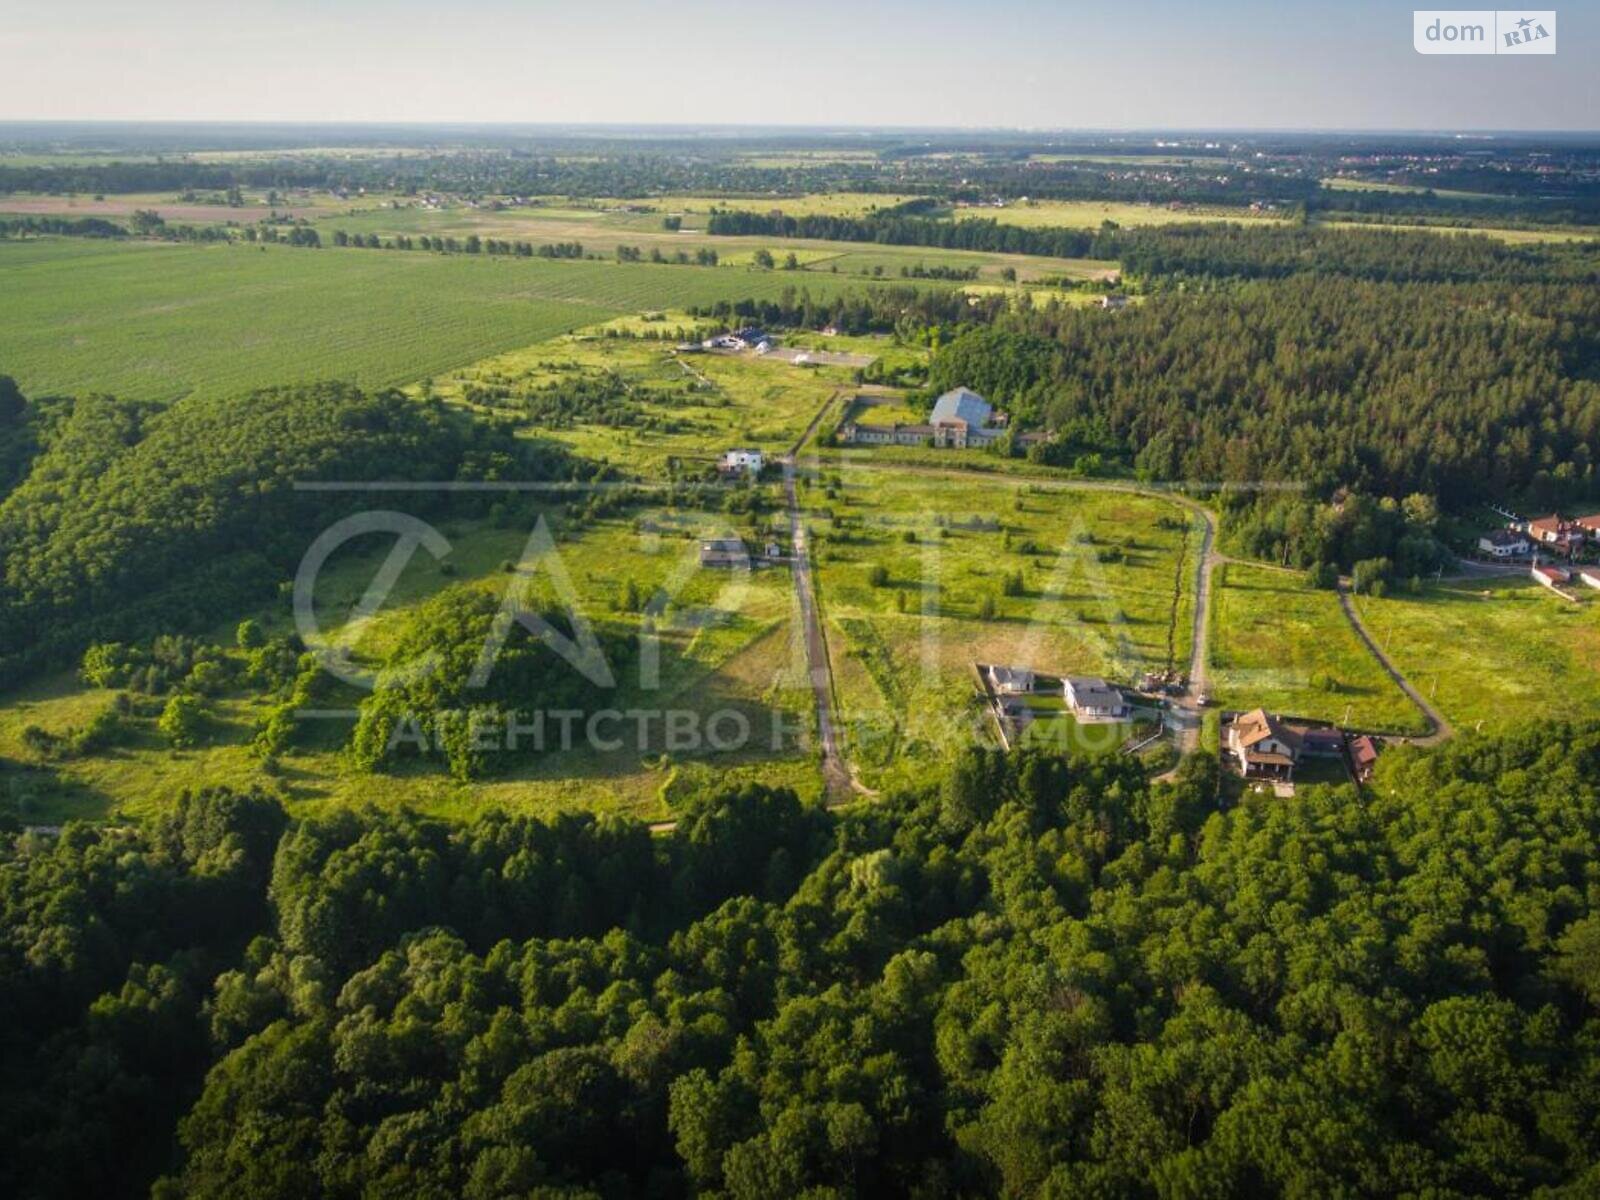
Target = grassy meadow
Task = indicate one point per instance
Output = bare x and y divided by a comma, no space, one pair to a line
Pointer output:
1101,592
1495,652
1287,647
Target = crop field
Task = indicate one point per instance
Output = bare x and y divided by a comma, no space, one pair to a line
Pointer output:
726,643
1492,653
1279,644
602,229
1090,214
913,572
176,208
715,402
156,321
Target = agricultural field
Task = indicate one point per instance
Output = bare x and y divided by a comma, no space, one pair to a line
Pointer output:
602,228
1091,214
1280,644
158,321
913,574
1494,652
726,642
201,210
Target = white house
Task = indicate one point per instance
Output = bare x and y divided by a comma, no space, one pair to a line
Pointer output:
743,460
1011,681
1264,746
1094,699
1505,543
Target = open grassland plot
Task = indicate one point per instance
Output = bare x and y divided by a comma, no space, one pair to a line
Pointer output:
1491,653
1287,647
690,408
1091,214
156,321
913,574
887,262
1342,184
726,645
814,204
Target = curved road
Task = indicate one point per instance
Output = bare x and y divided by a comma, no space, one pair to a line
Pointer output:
1439,729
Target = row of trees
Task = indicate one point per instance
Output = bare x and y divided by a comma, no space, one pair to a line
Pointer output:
1199,250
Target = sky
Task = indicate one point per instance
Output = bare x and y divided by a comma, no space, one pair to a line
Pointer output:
1145,64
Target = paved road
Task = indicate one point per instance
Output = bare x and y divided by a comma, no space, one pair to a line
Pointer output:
1439,730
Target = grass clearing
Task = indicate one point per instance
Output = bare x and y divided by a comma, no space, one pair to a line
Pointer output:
1100,585
1280,644
1491,653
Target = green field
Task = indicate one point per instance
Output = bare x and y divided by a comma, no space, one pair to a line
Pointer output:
903,650
1278,644
1492,653
156,321
725,401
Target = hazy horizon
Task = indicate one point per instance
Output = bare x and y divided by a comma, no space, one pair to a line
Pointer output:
1016,65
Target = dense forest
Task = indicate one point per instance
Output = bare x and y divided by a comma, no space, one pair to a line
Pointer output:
130,519
1037,977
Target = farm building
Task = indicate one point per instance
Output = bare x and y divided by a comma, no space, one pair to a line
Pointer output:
1094,699
856,434
724,552
1114,301
1505,543
1011,681
1264,747
961,418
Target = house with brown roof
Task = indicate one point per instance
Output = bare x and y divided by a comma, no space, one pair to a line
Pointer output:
1363,757
1264,747
1556,534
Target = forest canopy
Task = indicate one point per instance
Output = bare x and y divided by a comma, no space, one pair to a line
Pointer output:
1037,976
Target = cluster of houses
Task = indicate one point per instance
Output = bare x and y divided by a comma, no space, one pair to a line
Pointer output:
1561,536
749,338
1262,746
960,419
1091,700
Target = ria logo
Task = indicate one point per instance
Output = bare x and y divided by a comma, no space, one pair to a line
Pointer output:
1483,31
